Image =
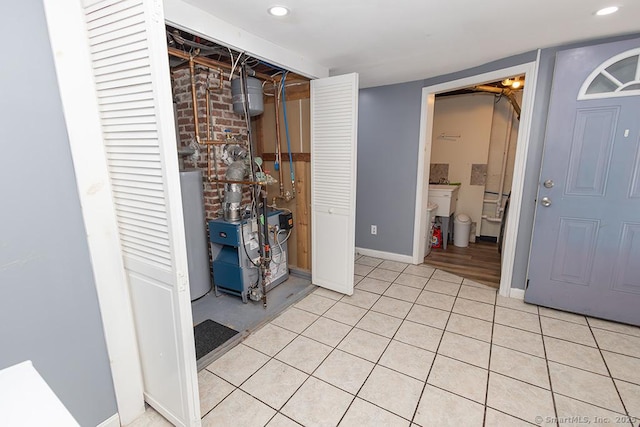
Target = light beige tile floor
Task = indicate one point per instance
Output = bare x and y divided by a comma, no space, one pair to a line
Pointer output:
416,346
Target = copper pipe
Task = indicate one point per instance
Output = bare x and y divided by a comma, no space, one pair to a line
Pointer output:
208,100
209,143
192,70
276,109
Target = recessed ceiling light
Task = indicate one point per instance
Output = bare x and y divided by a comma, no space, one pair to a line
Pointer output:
278,11
607,10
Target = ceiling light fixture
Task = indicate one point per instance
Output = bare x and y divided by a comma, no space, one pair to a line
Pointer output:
607,10
513,83
278,11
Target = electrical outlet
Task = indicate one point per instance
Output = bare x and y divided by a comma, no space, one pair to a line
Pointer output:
374,229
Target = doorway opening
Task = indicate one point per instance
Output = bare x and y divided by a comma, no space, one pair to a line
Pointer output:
422,222
243,156
475,130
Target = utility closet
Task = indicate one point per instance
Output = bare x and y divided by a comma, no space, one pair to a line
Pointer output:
242,128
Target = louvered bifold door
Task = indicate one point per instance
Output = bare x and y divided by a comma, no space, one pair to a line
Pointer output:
129,58
334,123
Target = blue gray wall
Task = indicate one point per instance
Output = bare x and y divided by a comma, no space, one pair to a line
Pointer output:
48,304
387,167
388,132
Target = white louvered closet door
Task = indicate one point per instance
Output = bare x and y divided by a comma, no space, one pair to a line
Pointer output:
334,123
129,59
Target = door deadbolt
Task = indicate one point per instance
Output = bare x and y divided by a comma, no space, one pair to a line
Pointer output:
546,202
548,183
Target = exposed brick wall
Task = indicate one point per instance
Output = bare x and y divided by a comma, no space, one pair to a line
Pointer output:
222,118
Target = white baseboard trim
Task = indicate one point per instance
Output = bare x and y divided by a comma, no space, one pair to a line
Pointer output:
516,293
385,255
112,421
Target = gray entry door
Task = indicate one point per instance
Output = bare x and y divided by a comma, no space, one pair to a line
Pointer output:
585,255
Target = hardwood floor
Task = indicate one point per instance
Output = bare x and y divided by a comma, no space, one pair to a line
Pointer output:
479,261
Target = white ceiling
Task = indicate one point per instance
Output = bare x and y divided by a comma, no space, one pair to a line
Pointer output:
403,40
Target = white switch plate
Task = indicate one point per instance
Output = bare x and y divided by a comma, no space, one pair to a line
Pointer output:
374,229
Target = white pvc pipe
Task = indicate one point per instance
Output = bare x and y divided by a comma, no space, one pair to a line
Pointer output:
490,219
505,157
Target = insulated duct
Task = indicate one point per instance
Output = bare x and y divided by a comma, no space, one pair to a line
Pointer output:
234,156
233,192
506,92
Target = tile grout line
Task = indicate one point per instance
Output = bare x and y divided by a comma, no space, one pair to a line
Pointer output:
415,412
325,358
486,393
336,348
544,348
606,365
376,363
403,319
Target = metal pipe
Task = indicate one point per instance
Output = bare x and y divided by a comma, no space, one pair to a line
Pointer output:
506,92
208,101
208,143
207,62
192,71
266,260
187,151
490,219
231,181
505,157
276,109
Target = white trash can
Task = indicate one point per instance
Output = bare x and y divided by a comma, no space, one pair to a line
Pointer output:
461,229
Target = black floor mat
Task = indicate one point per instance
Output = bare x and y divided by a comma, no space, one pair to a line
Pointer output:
210,335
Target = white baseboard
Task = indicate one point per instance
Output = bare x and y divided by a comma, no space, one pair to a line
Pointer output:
385,255
112,421
516,293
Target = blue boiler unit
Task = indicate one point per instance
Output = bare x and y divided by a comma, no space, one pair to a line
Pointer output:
235,253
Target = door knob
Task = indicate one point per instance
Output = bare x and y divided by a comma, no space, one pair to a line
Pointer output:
548,183
546,202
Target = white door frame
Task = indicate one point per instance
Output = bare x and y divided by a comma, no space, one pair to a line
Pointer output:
67,32
530,70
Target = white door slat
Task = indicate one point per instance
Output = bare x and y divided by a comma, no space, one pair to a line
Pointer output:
120,53
122,37
116,67
141,219
115,75
94,13
121,61
143,253
116,21
132,90
135,107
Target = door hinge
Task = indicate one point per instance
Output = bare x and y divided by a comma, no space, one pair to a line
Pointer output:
182,282
526,285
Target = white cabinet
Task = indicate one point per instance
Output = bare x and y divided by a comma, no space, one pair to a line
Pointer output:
445,196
